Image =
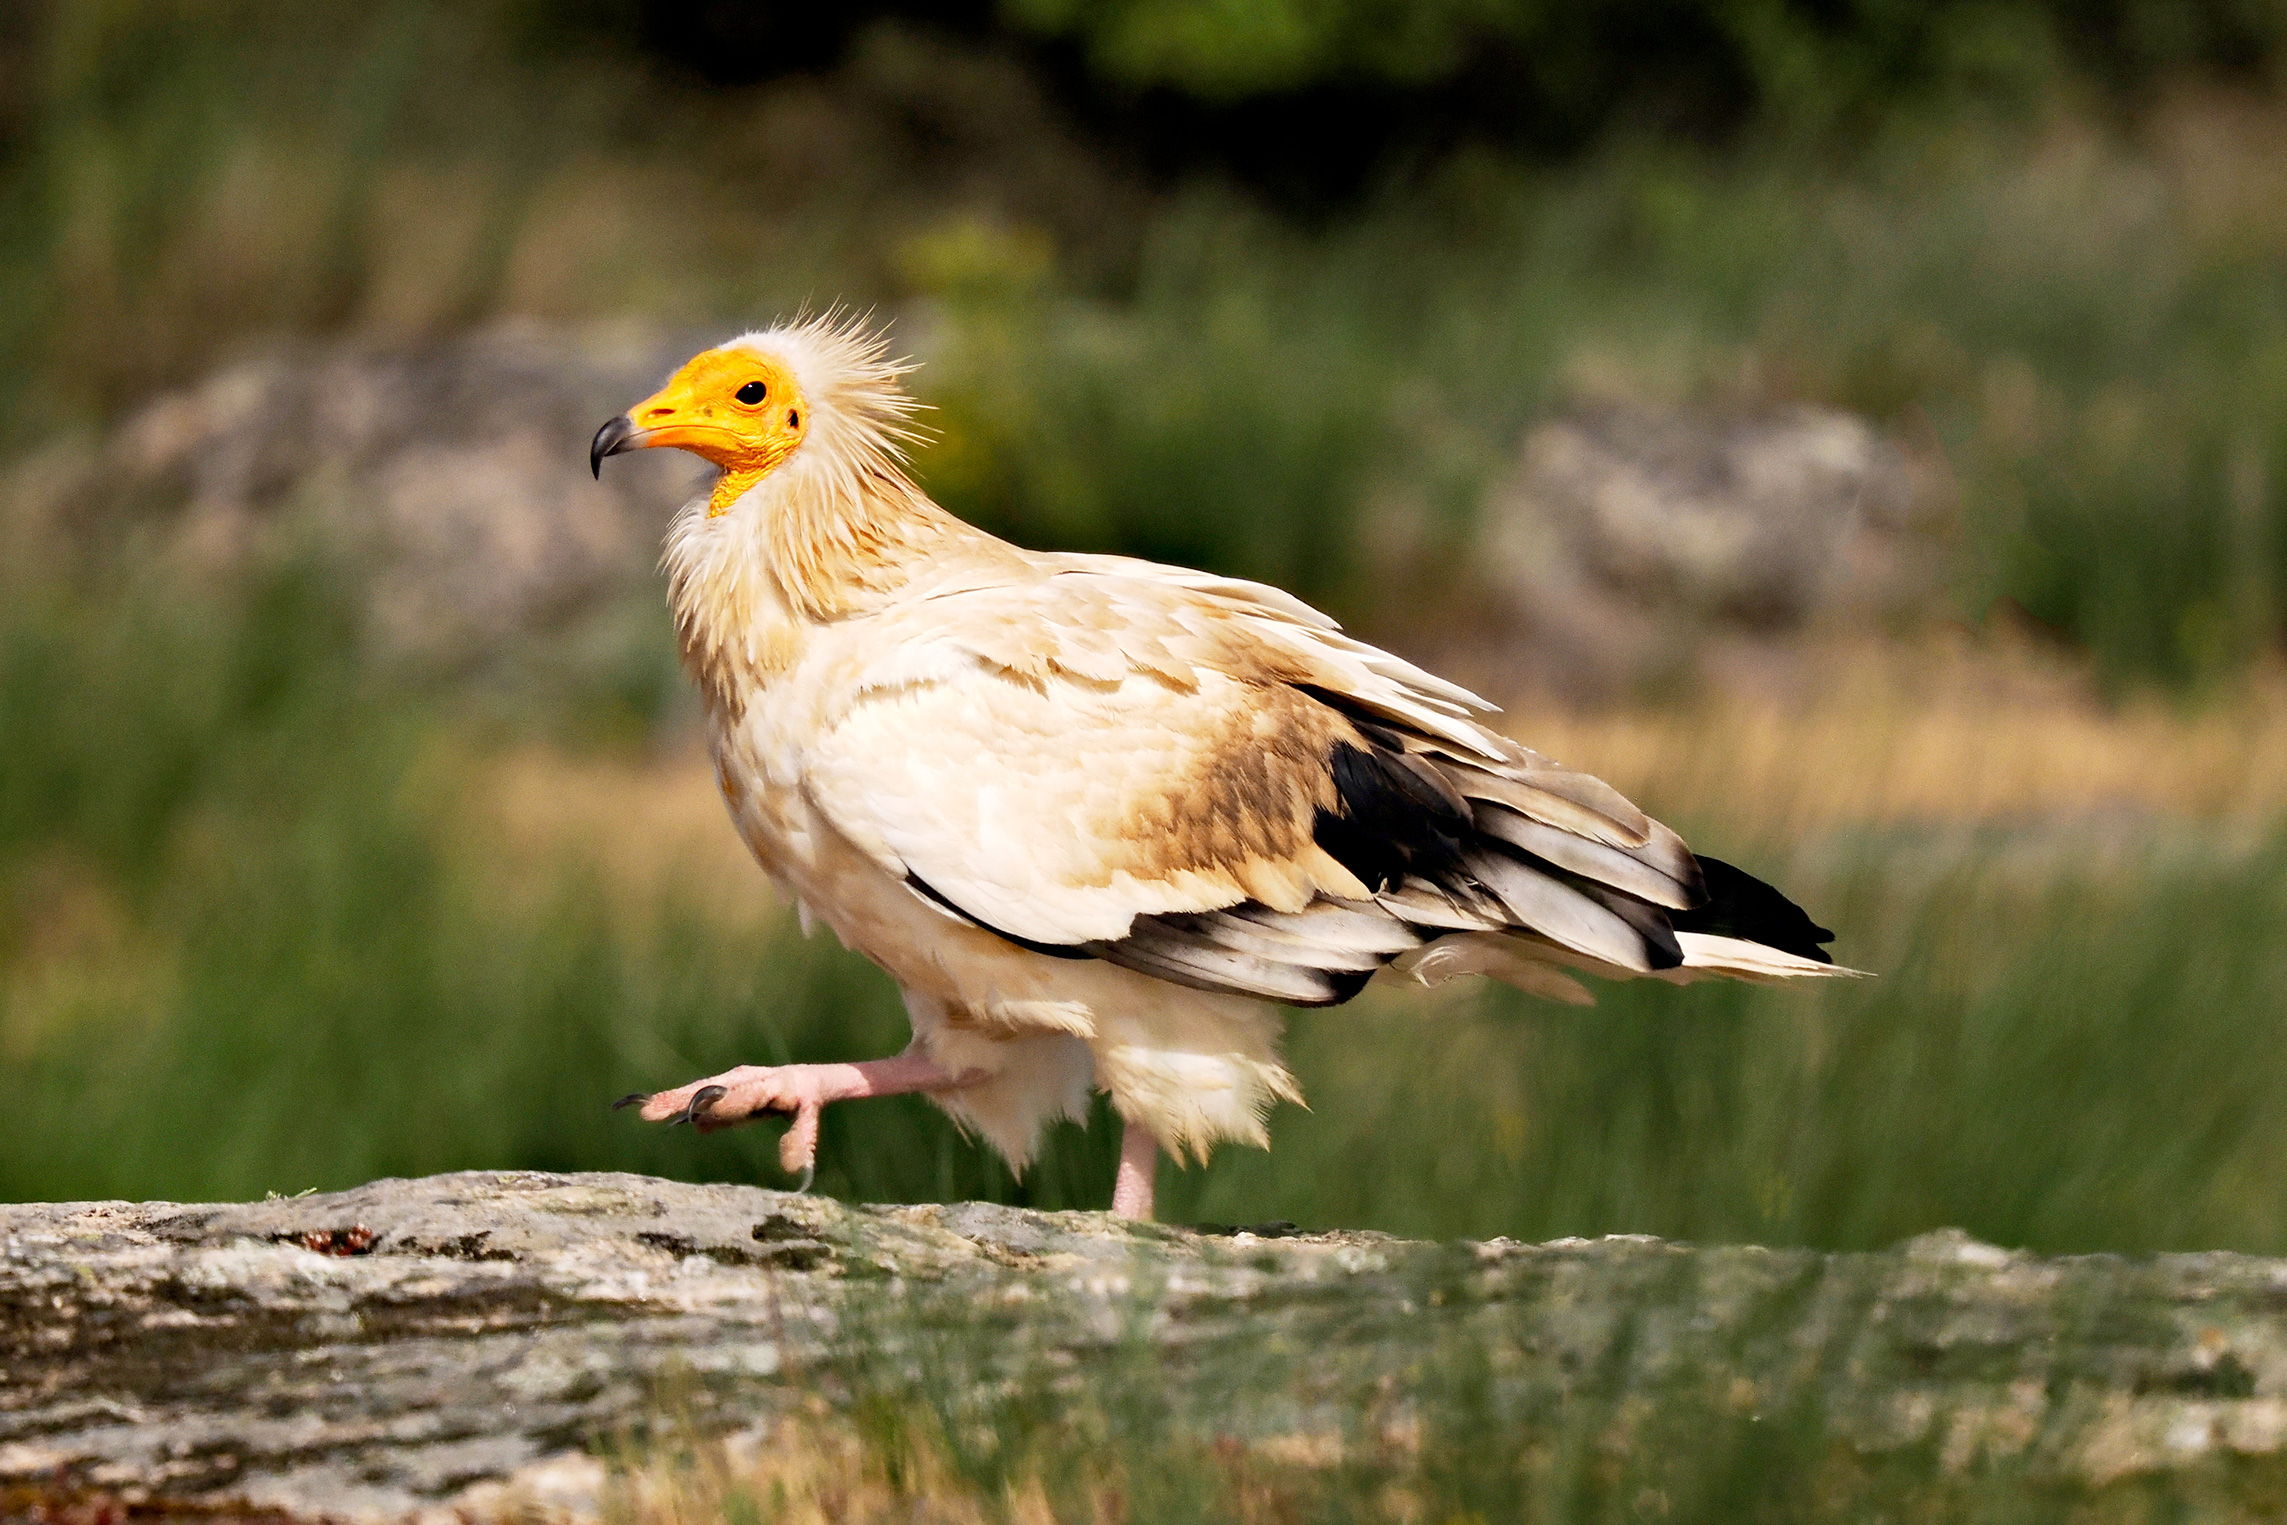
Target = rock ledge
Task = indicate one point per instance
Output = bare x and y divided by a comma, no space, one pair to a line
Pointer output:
419,1346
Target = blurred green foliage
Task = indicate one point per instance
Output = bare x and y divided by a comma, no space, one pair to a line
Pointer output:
2081,306
1805,63
246,947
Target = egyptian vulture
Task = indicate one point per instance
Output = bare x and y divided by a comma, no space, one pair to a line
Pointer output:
1099,817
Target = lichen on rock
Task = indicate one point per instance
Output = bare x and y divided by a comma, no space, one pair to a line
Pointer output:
464,1340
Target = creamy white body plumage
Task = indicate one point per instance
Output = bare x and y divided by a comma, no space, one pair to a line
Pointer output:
1097,816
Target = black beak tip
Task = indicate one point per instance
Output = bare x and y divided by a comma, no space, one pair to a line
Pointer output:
611,439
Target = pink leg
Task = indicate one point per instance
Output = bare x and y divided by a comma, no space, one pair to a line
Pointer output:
735,1096
1139,1170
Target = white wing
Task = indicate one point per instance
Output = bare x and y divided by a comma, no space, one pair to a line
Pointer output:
1206,780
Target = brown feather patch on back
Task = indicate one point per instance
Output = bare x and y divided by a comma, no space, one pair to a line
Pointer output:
1246,796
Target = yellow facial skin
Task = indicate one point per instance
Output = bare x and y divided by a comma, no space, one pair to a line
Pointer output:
740,410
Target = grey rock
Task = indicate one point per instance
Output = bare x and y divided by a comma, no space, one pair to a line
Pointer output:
436,1345
1626,534
452,480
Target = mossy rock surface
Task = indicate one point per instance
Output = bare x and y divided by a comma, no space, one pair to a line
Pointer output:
413,1345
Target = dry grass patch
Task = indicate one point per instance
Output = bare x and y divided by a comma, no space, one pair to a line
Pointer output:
1947,733
641,825
819,1471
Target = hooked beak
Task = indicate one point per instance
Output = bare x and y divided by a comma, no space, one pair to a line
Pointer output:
616,435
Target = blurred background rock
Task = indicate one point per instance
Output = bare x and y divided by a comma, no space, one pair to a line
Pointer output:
1855,430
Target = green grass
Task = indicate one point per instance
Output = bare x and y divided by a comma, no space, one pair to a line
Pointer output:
2077,1064
1603,1394
245,946
250,948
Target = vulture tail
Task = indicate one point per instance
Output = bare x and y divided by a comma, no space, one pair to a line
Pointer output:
1740,907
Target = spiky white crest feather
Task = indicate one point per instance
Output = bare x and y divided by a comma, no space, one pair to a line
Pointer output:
862,415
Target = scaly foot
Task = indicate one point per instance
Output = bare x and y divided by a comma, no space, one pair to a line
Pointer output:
1133,1184
739,1095
800,1091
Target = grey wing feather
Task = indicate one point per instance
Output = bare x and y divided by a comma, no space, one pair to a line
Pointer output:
1564,915
1671,884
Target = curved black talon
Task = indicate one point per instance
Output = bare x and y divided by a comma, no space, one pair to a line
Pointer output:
632,1098
701,1100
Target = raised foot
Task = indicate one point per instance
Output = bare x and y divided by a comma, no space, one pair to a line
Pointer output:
800,1091
739,1095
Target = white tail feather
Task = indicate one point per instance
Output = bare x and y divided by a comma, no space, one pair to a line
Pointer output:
1533,966
1706,954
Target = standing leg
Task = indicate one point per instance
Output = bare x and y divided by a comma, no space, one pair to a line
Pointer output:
1139,1170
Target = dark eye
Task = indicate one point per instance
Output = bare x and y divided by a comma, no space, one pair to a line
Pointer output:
752,393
